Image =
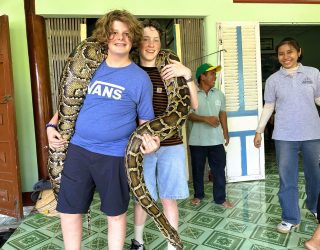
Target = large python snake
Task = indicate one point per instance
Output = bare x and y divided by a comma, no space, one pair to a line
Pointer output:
76,76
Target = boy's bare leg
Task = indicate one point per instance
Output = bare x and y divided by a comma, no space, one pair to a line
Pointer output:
116,231
140,217
170,209
71,225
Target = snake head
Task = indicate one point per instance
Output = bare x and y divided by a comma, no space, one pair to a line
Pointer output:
174,238
178,243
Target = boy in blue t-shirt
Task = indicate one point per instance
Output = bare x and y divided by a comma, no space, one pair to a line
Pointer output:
118,93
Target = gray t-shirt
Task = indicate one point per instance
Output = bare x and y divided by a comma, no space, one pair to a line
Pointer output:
296,117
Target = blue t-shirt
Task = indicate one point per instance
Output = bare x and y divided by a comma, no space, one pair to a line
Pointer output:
115,98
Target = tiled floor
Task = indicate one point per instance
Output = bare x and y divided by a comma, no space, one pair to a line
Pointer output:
250,225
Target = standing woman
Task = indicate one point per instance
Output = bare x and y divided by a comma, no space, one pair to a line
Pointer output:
293,91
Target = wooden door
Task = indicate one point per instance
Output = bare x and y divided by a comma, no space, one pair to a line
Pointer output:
10,183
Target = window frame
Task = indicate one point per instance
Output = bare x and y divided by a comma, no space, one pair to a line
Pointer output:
279,1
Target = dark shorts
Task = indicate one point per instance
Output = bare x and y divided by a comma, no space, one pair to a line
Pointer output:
83,173
318,209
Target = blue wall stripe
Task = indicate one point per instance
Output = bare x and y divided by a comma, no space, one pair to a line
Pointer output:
243,113
243,135
240,67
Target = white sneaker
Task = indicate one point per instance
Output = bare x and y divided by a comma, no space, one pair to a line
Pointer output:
316,217
285,227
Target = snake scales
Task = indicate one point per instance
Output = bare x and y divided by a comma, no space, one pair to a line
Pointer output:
76,76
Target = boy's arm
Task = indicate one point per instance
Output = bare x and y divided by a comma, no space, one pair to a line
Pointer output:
55,139
54,119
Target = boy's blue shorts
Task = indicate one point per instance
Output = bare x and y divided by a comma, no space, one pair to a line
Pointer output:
165,173
83,173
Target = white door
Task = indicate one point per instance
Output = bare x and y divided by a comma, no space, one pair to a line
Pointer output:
241,82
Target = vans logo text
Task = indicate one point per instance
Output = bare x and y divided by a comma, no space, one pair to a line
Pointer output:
106,89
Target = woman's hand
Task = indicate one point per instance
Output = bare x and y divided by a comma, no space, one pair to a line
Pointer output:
150,144
257,140
55,139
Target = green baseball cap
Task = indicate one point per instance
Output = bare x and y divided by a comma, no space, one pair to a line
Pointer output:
206,67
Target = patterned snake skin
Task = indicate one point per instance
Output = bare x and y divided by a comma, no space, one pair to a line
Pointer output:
78,71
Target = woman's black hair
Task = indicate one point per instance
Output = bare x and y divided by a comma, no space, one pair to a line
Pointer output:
292,42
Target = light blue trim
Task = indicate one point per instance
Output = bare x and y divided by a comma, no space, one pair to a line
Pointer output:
243,135
242,113
240,67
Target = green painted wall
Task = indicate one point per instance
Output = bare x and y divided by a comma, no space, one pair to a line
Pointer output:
212,10
22,91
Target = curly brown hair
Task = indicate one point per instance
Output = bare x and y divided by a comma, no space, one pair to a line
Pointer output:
154,24
103,27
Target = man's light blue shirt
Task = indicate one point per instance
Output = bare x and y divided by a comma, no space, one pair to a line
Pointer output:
211,104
